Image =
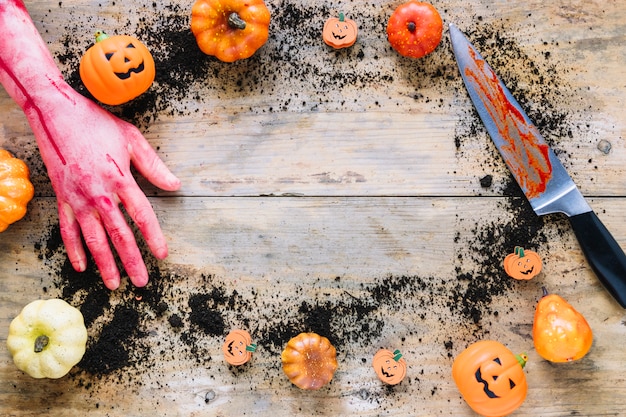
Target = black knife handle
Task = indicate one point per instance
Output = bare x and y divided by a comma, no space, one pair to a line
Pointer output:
606,257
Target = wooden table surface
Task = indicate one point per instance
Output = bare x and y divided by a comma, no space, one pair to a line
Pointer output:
338,192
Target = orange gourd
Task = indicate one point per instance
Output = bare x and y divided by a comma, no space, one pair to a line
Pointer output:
238,347
16,190
414,29
560,333
390,367
117,69
491,378
309,361
340,32
522,264
230,30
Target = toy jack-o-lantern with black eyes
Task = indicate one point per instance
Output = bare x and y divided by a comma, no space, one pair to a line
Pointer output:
390,367
522,264
491,378
117,69
238,347
340,32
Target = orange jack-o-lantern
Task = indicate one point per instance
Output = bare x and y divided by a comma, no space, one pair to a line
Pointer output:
340,32
491,378
309,361
522,264
238,347
117,69
389,366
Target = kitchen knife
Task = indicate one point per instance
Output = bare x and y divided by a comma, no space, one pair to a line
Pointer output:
541,176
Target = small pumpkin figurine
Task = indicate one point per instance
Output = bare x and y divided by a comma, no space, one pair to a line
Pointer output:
117,69
238,347
309,361
522,264
340,32
560,333
491,378
47,338
230,30
390,367
16,190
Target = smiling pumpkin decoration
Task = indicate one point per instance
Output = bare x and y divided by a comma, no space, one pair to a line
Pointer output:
340,32
522,264
117,69
390,366
491,378
238,347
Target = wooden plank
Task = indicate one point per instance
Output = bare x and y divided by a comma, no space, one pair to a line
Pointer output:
282,264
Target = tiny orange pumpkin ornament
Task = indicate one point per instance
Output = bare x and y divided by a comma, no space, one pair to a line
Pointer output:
340,32
522,264
230,30
238,347
491,378
414,29
309,361
560,333
390,367
117,69
16,190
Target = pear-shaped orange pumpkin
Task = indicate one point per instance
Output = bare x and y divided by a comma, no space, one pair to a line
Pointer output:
560,333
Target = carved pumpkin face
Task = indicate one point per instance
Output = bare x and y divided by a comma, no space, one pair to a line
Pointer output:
389,366
117,69
490,378
522,264
340,32
238,347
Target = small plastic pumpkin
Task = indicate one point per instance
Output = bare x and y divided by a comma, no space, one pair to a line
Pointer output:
340,32
560,333
16,190
238,347
117,69
414,29
309,361
390,367
522,264
230,30
47,338
491,378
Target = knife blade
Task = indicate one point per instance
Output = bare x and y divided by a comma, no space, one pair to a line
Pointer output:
534,165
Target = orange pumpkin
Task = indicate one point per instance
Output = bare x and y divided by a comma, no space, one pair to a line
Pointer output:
16,190
560,333
389,366
340,32
117,69
309,361
522,264
238,347
414,29
230,29
491,378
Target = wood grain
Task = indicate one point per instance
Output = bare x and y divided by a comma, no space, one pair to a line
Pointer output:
313,178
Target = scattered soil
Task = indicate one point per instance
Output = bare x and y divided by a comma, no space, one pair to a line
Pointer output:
134,329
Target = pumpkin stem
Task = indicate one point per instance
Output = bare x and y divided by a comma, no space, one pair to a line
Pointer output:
41,342
522,358
251,347
397,355
411,26
545,291
236,22
519,251
342,18
101,35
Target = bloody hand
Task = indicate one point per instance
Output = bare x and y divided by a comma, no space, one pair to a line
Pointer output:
87,152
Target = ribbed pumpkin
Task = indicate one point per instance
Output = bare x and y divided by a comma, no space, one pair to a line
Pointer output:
309,361
16,190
